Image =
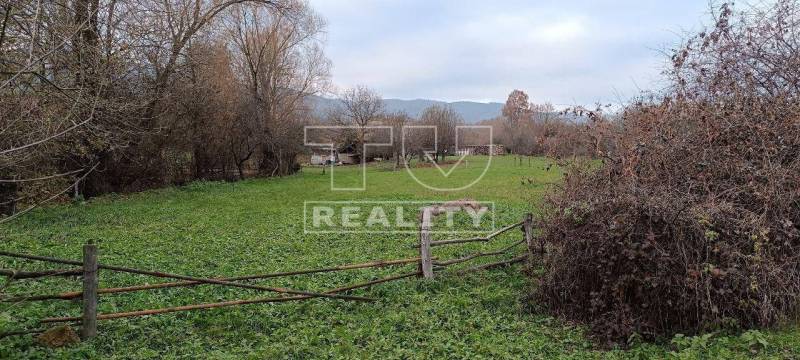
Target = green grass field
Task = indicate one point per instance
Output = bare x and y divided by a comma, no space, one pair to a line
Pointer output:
256,226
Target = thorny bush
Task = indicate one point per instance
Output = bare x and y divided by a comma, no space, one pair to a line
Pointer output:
693,222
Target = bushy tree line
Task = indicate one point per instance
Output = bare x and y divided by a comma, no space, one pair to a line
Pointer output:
99,96
527,128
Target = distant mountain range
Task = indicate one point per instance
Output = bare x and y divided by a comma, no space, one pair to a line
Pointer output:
472,112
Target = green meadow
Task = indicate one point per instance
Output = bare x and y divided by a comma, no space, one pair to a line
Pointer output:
218,229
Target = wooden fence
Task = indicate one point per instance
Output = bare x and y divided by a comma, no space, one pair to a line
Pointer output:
90,268
428,263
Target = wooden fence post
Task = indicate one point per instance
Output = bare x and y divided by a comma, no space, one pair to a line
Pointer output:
89,321
527,229
425,261
76,190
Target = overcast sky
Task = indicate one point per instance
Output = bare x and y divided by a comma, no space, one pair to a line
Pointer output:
567,52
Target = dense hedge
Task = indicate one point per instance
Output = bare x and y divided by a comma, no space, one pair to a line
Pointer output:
694,223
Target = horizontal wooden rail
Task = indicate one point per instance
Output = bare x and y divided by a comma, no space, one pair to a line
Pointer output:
478,255
458,241
188,278
503,230
493,265
486,238
78,294
226,303
21,332
19,275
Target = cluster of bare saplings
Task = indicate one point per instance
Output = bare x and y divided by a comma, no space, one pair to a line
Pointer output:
121,95
692,223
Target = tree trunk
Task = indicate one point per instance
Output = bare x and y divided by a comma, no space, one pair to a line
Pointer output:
240,168
8,194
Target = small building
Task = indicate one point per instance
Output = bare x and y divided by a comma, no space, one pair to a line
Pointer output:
324,156
348,155
349,158
494,150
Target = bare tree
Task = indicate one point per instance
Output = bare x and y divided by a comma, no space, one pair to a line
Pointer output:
361,108
445,120
517,113
397,121
45,96
83,86
280,60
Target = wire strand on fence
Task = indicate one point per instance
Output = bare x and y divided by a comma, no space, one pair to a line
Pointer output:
493,265
486,238
20,275
188,278
21,332
226,303
78,294
478,255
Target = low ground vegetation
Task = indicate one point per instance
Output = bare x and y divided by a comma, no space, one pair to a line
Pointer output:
215,228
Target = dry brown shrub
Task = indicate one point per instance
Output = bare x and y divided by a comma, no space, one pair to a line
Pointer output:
693,223
57,337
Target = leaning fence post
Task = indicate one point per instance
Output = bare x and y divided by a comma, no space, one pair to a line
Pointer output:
425,261
527,229
89,321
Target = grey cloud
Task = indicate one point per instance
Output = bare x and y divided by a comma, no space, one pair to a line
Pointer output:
565,52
